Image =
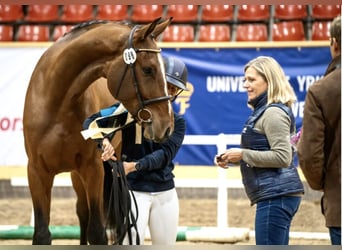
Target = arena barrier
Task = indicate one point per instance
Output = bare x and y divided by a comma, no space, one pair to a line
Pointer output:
200,234
209,234
221,141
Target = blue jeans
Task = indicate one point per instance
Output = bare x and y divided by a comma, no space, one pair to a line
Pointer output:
335,235
273,220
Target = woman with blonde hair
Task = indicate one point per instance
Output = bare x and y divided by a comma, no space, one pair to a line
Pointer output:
269,176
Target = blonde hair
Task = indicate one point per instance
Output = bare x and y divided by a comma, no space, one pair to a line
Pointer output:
279,88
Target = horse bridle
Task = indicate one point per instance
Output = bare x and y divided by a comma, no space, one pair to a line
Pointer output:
130,55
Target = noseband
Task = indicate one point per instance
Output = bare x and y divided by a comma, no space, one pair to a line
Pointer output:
130,56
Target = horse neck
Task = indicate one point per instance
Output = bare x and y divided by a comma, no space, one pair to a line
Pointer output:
78,64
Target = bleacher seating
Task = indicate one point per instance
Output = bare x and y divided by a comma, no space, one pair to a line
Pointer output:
214,33
35,33
42,12
146,13
77,13
183,13
6,33
253,12
178,33
288,31
217,13
60,30
230,22
251,32
325,11
11,12
113,12
290,12
321,30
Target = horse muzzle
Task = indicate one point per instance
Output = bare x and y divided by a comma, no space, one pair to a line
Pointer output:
151,134
155,129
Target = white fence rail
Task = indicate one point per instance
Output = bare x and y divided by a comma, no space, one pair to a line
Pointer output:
221,141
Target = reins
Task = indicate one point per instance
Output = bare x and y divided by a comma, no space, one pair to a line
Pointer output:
120,204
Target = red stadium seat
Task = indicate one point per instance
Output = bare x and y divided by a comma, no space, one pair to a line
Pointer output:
290,12
60,30
179,33
6,33
321,30
214,33
113,12
77,13
325,11
182,13
288,31
251,32
41,12
146,13
217,13
35,33
253,12
11,12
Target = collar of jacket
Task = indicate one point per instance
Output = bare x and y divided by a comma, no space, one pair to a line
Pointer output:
334,64
259,101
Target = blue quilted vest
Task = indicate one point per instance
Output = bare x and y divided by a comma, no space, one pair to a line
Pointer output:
265,183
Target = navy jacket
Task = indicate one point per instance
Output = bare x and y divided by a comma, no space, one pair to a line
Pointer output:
264,183
156,159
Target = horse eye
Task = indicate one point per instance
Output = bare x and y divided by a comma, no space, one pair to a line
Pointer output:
148,71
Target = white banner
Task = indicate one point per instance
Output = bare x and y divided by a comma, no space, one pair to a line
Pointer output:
17,65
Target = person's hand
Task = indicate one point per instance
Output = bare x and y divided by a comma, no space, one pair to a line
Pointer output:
107,151
232,155
129,167
220,160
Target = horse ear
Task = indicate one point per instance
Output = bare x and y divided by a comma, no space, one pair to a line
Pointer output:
155,29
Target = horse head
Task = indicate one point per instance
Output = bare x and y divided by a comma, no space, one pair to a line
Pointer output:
142,87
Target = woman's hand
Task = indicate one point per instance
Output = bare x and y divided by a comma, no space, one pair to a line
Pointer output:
233,155
108,150
221,160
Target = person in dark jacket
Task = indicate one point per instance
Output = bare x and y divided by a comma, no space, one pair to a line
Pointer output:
269,176
319,146
149,166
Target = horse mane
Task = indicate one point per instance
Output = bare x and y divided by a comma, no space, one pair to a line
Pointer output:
89,24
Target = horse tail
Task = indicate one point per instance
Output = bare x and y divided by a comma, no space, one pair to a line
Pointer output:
120,219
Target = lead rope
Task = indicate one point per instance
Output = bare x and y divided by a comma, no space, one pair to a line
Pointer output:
123,219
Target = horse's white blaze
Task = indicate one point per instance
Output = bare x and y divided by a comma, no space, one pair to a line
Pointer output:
161,62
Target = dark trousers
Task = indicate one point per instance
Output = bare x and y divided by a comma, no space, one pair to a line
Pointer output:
335,235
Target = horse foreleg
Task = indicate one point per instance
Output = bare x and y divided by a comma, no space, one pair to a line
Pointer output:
92,182
40,184
81,207
96,228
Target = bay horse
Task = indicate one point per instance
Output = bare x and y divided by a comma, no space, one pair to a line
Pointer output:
89,68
